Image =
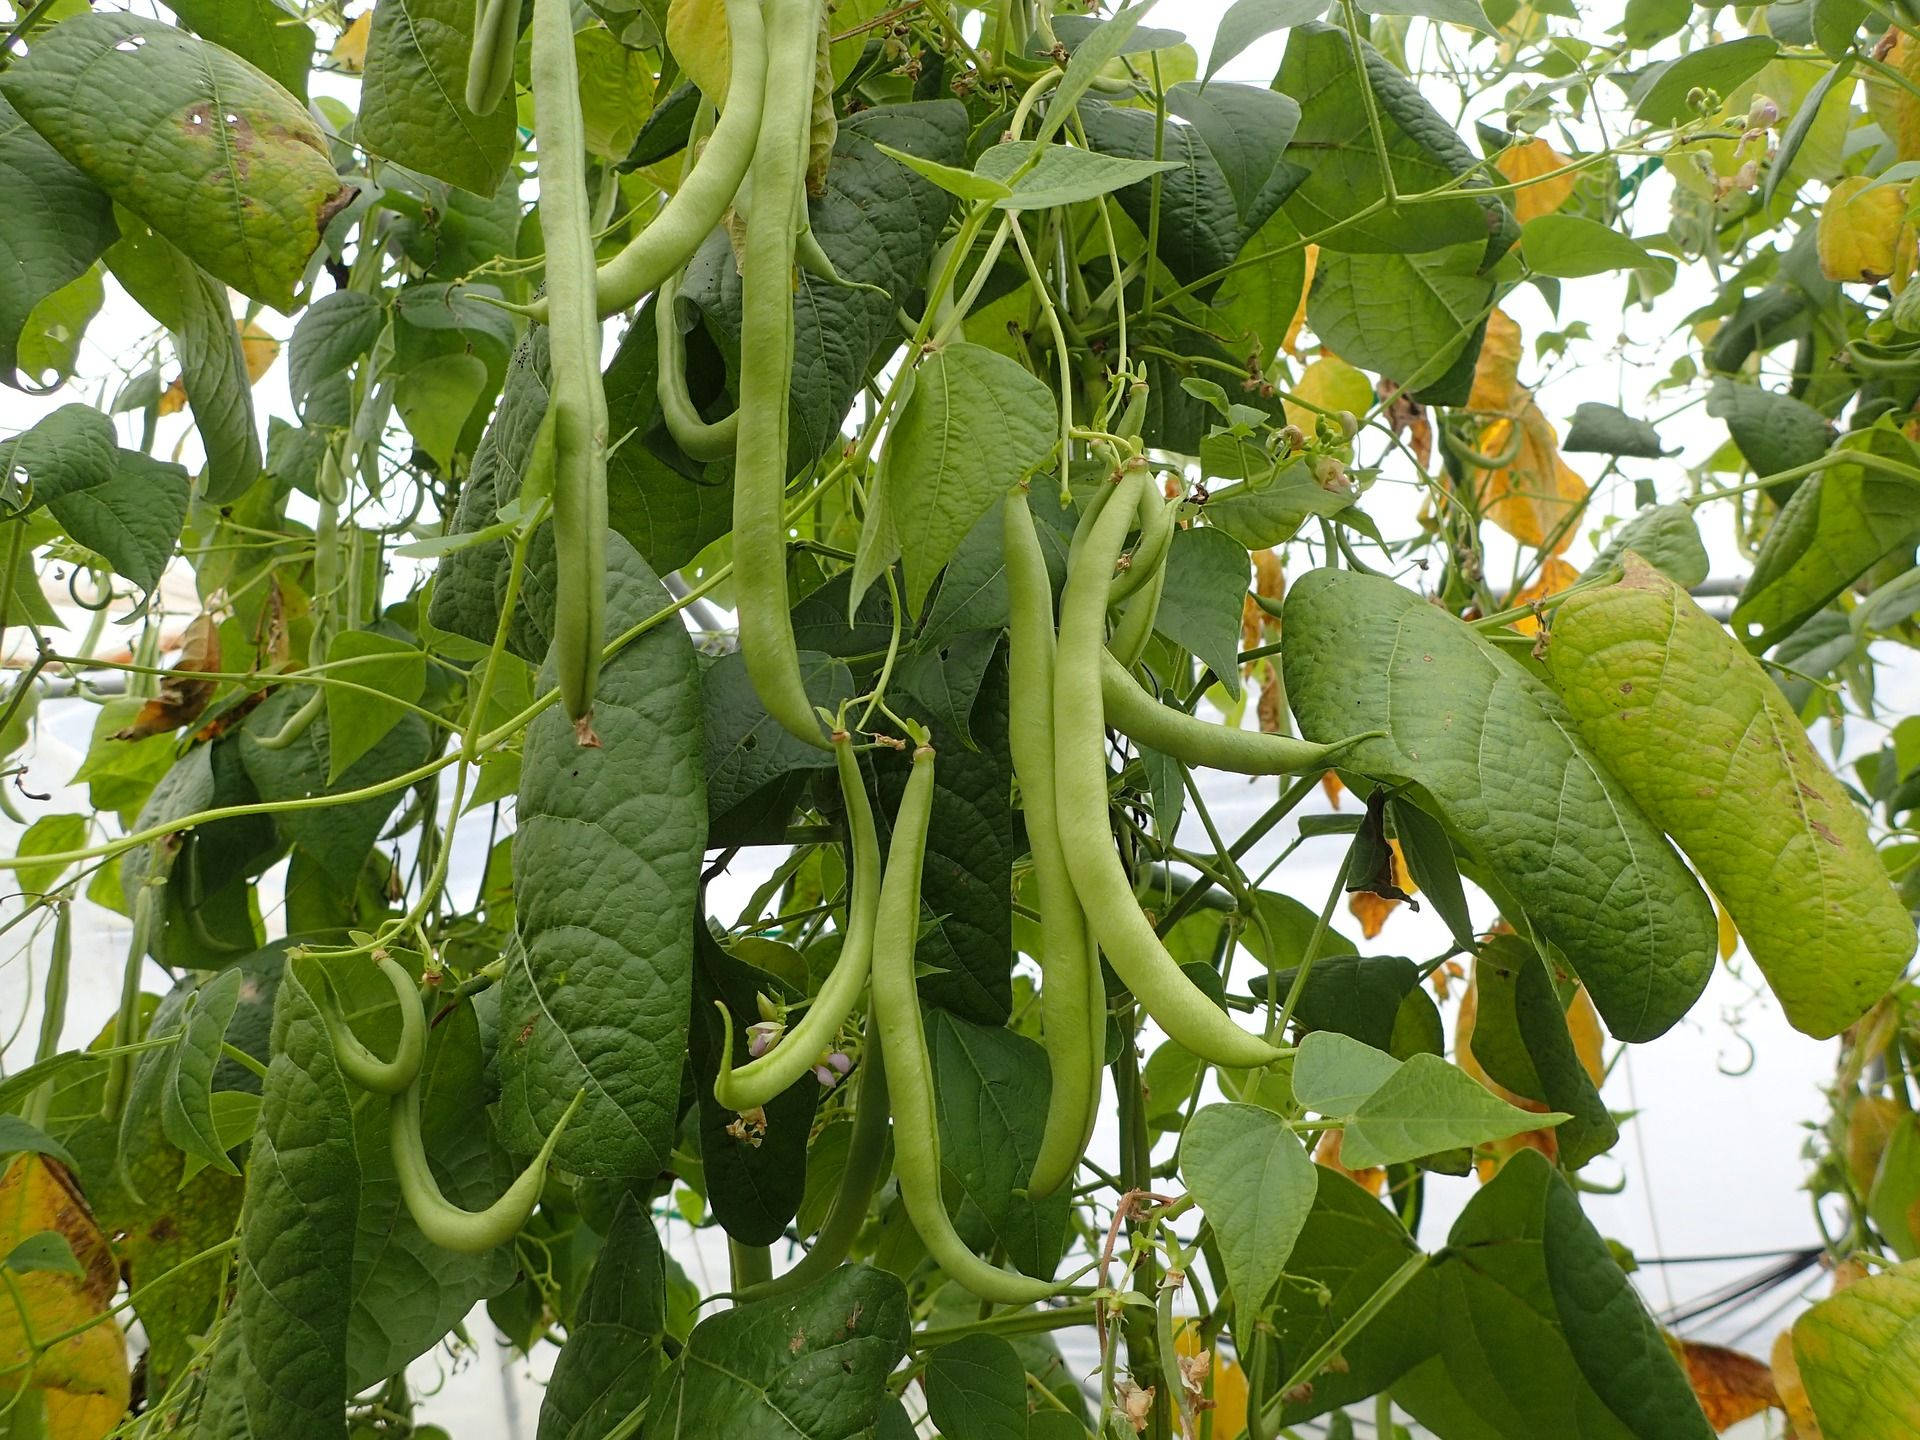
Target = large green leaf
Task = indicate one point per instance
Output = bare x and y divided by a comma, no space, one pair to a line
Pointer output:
356,721
1859,1357
285,1362
202,146
1405,317
1335,140
331,334
1838,523
1207,575
1667,537
1702,738
1773,431
606,1369
413,107
606,867
58,222
186,1111
977,1389
1551,828
1255,1185
1427,1106
261,32
1662,94
813,1367
992,1090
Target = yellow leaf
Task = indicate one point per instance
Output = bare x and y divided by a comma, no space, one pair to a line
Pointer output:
1373,1179
1729,932
1536,497
1331,783
1555,576
261,350
82,1381
1589,1039
1870,1125
1496,374
1332,384
350,50
697,35
174,398
1524,165
1291,343
1861,229
1793,1394
1893,105
1583,1025
1730,1386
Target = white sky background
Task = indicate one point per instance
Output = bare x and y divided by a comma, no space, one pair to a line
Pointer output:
1713,1162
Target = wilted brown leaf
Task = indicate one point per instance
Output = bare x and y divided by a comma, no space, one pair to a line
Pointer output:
1530,165
181,699
1730,1386
81,1383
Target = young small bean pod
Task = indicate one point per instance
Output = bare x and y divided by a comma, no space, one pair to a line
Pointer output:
470,1232
700,438
490,61
356,1061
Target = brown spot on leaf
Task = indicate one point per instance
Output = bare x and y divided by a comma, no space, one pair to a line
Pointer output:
1825,834
333,205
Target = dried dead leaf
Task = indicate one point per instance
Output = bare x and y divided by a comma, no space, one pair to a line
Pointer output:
81,1383
181,699
1407,418
1531,165
1731,1386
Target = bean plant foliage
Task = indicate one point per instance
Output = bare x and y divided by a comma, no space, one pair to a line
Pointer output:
908,462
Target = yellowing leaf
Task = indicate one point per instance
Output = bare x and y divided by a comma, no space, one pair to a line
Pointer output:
1531,165
1334,788
1729,932
1861,229
80,1383
1730,1386
1292,341
1870,1125
1793,1394
697,35
1555,576
1332,384
1536,497
1589,1039
1496,374
1859,1357
261,350
350,50
1893,105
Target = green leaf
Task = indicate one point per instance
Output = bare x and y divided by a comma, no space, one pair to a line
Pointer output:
356,721
58,223
46,1253
1859,1357
132,518
1557,837
1256,1186
260,32
744,749
813,1366
1647,22
606,1369
1837,525
1266,510
186,1106
282,1363
1405,317
1805,116
1602,429
974,426
977,1389
413,108
435,400
17,1137
1773,431
1455,12
49,835
976,184
1207,575
946,679
1334,1074
1666,537
1422,148
1571,246
49,348
1107,41
1258,300
1430,862
1063,175
606,870
203,147
991,1084
331,334
1704,741
1659,93
1429,1105
1246,21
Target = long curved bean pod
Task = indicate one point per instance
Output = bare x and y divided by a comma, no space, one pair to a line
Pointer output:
471,1232
361,1065
579,401
762,1078
896,1014
866,1152
490,61
1193,741
701,202
766,367
700,438
1182,1009
1072,998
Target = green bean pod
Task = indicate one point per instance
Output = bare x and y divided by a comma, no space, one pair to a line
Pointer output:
1072,998
701,202
700,438
866,1154
361,1065
823,127
470,1232
1180,1007
490,61
1134,629
896,1013
1149,555
762,1078
766,367
578,398
1193,741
